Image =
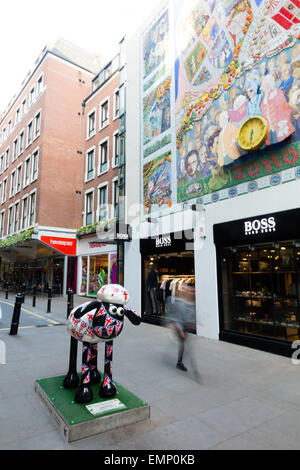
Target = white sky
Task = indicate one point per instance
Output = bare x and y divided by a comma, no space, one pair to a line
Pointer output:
28,25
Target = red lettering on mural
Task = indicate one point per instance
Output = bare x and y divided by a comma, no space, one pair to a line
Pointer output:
272,160
240,173
290,156
254,170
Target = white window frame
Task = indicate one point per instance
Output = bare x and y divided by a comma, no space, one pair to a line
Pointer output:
15,152
17,173
4,190
32,96
10,213
103,141
2,163
35,152
92,149
6,158
24,106
12,188
18,116
23,227
39,89
14,218
102,126
87,193
89,134
116,114
35,134
101,186
114,165
31,122
2,222
32,193
25,184
113,202
20,140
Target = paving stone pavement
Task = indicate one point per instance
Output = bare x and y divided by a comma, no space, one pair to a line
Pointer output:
231,397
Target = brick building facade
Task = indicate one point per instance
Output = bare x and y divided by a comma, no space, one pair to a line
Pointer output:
41,167
97,260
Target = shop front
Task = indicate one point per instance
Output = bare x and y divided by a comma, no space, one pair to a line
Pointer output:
259,281
42,261
97,266
168,278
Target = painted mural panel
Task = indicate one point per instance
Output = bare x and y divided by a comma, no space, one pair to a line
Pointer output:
155,45
157,182
237,86
157,114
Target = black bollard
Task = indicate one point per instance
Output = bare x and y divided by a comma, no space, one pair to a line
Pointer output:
49,300
6,292
71,380
16,315
23,291
33,295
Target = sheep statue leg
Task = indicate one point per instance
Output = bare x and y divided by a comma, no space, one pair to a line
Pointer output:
84,393
94,373
108,388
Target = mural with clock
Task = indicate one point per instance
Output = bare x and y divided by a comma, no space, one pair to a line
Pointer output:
237,92
234,94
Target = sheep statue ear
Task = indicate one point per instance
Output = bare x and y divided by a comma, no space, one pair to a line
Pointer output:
132,316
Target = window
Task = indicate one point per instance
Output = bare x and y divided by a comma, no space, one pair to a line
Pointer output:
34,169
32,209
2,163
40,85
27,172
104,114
91,124
37,125
6,158
16,217
4,190
18,178
115,197
103,209
21,142
15,149
116,149
89,208
25,213
116,104
103,157
18,117
9,127
24,107
12,183
31,96
2,215
90,165
29,133
10,220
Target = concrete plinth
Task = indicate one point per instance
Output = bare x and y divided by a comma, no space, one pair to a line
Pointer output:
76,422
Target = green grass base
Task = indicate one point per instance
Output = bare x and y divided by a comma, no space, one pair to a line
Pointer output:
73,413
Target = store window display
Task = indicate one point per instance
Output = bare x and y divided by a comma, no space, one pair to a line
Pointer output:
169,288
261,289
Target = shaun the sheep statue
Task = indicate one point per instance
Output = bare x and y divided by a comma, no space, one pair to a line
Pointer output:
99,321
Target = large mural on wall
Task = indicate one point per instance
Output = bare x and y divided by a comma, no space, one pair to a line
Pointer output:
237,91
234,91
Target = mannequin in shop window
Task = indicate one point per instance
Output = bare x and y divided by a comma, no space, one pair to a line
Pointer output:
153,286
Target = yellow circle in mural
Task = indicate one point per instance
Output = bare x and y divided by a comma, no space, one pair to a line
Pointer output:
253,133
